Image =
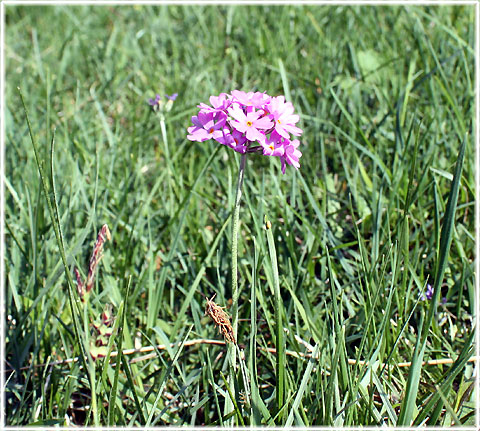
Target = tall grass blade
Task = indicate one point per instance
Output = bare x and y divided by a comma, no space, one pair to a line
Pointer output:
113,393
53,211
279,337
156,295
212,383
233,401
466,353
303,386
408,405
255,418
131,384
164,379
198,278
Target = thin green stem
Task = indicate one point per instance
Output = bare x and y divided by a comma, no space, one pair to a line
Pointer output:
236,217
48,188
279,339
235,292
163,129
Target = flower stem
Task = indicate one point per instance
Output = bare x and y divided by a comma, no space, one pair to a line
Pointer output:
167,159
235,293
236,217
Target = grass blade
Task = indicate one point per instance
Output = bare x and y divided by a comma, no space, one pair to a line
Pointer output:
279,342
408,404
113,392
53,211
303,387
233,400
164,379
156,295
455,369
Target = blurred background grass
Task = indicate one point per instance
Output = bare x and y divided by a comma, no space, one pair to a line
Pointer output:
386,97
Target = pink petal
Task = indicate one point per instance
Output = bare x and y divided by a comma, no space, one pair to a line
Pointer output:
253,134
237,113
263,123
293,129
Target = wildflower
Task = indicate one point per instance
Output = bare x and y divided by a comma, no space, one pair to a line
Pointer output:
219,104
240,120
206,126
255,100
154,102
283,117
272,147
235,140
428,293
172,97
249,123
159,105
291,154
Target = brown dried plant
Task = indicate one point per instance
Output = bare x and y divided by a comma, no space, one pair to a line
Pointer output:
221,319
85,287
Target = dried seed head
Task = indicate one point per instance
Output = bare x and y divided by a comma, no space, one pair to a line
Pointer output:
97,255
221,319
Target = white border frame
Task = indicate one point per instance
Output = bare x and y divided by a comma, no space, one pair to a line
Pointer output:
245,2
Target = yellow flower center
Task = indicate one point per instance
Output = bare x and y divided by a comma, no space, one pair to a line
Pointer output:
211,130
279,122
271,146
249,123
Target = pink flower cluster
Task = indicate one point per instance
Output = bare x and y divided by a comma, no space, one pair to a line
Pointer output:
241,120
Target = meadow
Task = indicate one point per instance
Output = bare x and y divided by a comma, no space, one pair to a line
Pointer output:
356,273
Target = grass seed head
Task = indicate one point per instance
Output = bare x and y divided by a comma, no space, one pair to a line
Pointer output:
221,319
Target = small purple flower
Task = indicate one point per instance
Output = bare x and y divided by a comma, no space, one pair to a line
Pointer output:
154,102
207,125
284,117
249,123
158,104
291,155
235,140
272,147
428,293
219,103
250,99
172,97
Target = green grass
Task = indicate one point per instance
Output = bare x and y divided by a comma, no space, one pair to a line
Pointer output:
382,205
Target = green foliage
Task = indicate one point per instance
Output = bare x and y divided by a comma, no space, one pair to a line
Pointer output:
382,205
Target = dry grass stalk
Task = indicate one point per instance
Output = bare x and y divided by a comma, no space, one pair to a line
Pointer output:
145,349
85,287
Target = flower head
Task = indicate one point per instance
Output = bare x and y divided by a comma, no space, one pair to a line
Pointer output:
172,97
428,293
155,101
158,104
243,120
